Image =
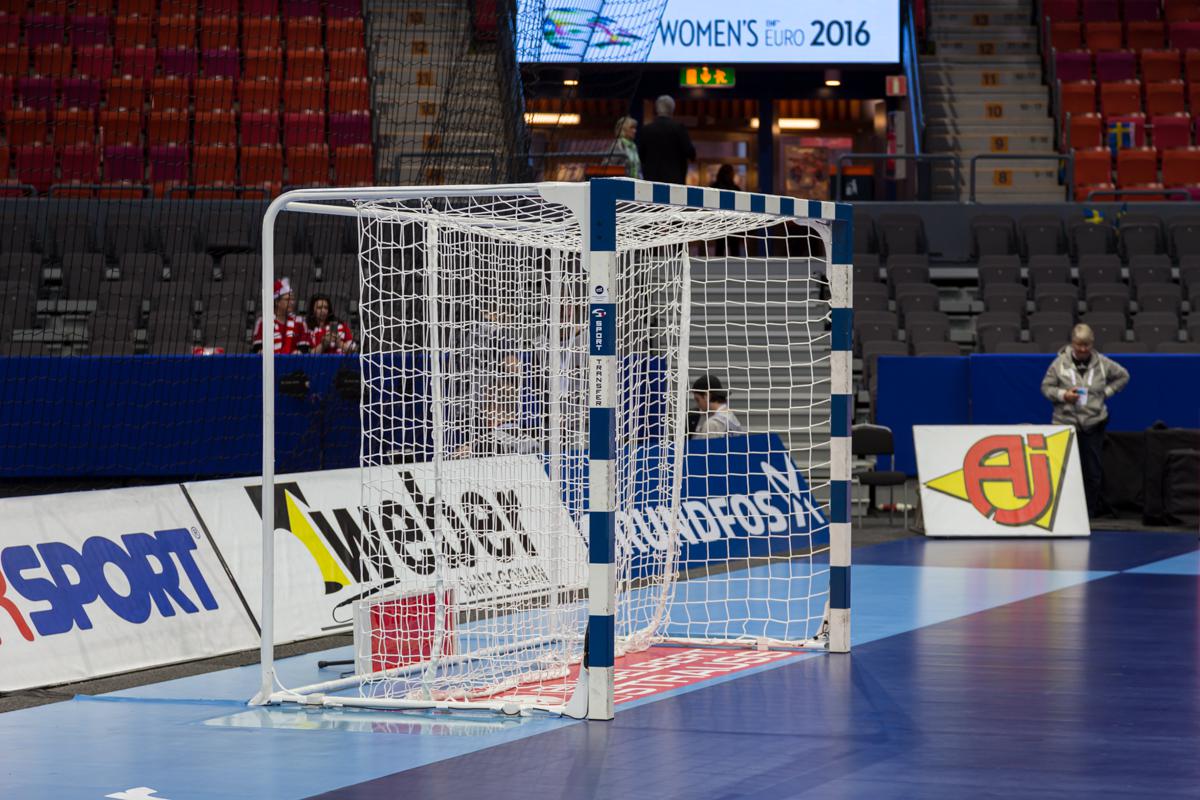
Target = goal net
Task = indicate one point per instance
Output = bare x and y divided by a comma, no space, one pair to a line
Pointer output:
595,418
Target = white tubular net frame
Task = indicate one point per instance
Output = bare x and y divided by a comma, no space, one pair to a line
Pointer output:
475,459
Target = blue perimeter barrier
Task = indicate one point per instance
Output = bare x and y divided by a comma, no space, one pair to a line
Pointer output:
1006,390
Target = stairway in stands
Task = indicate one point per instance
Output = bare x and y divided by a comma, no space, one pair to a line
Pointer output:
984,94
436,93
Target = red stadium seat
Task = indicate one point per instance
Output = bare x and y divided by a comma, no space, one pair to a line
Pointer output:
10,30
140,62
35,166
94,61
37,92
125,93
27,126
308,166
133,30
1136,166
1077,97
353,165
1100,10
44,29
1165,97
1061,10
1104,35
259,94
1116,65
176,31
1093,167
309,63
303,128
144,7
262,166
1084,130
301,33
1121,97
80,163
6,98
170,92
218,33
1145,35
215,165
216,127
1171,131
260,127
53,60
74,126
183,62
351,95
1181,166
167,127
191,7
230,8
14,60
1160,65
347,64
1184,35
1180,10
121,127
1141,10
304,95
1066,35
214,93
264,63
261,33
344,34
99,7
260,8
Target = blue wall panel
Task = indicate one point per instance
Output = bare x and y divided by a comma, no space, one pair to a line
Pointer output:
931,390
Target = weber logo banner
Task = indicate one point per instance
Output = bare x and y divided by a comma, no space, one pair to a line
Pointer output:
507,532
95,583
743,496
1019,480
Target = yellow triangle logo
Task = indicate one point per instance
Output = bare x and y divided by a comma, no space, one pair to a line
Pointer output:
1002,495
333,574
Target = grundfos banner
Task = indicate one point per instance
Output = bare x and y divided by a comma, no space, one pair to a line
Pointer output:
710,31
95,583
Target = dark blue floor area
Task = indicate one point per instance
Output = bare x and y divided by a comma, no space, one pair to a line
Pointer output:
1103,550
1087,691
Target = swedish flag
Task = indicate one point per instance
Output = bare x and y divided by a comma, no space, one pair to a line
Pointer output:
1093,215
1121,133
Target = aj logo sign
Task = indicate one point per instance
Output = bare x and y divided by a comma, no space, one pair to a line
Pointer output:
1012,479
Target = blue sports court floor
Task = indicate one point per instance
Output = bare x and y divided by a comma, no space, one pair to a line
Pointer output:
1032,669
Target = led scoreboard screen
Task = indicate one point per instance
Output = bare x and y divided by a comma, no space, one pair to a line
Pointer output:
697,31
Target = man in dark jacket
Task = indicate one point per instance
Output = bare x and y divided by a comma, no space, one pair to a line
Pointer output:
664,145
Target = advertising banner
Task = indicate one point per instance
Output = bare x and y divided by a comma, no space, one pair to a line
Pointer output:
1000,480
335,541
710,31
96,583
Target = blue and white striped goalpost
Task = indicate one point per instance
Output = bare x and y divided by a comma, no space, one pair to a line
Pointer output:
599,256
594,206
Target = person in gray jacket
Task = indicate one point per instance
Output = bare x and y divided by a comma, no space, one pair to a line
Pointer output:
1078,382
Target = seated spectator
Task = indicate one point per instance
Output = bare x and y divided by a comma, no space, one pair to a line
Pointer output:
715,417
327,333
291,334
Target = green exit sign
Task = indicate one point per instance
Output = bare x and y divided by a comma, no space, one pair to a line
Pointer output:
706,77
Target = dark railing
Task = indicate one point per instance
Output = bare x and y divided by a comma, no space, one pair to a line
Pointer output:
919,159
124,190
1056,157
1116,194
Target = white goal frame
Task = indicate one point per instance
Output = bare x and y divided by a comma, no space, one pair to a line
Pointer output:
594,205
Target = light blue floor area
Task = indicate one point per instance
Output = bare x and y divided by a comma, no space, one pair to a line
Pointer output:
1186,564
170,735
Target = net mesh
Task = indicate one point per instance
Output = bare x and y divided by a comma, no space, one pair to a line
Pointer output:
474,416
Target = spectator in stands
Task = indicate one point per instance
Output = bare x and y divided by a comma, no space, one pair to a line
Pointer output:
715,418
625,152
664,145
725,179
326,333
1078,382
291,334
730,245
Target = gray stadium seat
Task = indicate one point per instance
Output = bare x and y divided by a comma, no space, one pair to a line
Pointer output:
926,326
1107,297
999,317
339,274
227,328
244,269
870,296
902,234
1099,268
871,353
912,297
907,269
82,274
1108,326
994,274
1184,238
1119,347
1154,268
1140,235
1041,234
872,326
302,271
1013,348
935,348
990,334
170,334
1090,238
230,231
1159,297
866,267
1193,328
329,235
17,300
188,267
291,236
140,267
21,267
1005,297
1050,328
1177,347
1152,332
171,237
1060,297
866,239
993,234
81,236
1189,274
1049,269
